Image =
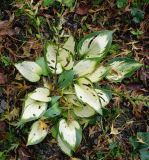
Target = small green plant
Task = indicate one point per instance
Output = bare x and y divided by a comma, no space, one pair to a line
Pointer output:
67,3
138,99
140,144
5,60
2,156
121,3
70,92
137,32
137,14
114,152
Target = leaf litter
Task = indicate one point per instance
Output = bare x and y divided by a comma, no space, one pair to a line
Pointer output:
128,117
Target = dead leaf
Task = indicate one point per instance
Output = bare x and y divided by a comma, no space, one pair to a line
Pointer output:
117,101
3,129
75,159
92,130
82,9
147,130
3,78
4,24
114,130
5,28
23,154
134,86
12,115
2,126
137,110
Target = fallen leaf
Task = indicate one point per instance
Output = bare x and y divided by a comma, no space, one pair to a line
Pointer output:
82,9
5,28
23,154
3,128
12,115
137,110
114,130
92,130
75,158
4,24
134,86
2,77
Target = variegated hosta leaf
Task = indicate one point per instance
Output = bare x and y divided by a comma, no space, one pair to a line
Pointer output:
89,96
39,131
70,133
33,110
40,94
83,111
80,109
84,81
51,57
64,147
65,59
121,68
29,70
69,44
72,99
84,67
104,96
98,74
96,44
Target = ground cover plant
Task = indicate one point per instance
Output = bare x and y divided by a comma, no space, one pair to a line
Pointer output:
76,94
74,80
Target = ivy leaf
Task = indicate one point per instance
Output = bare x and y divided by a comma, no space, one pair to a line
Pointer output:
95,45
120,68
29,70
66,79
70,133
41,62
33,110
53,111
39,131
40,94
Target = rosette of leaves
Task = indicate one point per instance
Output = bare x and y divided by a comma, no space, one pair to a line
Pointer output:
70,92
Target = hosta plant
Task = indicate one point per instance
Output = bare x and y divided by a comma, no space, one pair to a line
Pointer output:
71,90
